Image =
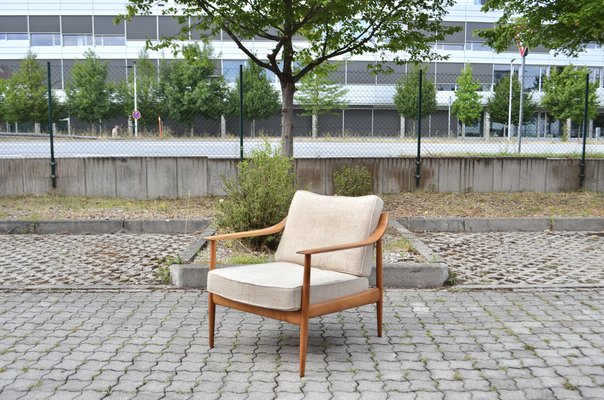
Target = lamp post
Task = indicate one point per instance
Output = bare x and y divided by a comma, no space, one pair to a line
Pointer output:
523,53
510,100
135,100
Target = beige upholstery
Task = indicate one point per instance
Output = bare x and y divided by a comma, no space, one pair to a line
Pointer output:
317,221
278,285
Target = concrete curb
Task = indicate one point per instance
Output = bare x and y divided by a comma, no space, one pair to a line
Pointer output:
103,226
403,275
502,224
190,252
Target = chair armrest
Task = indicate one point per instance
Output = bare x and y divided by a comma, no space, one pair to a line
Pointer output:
374,237
258,232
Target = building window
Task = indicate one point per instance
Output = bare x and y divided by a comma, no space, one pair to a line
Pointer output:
449,46
13,36
230,69
109,40
77,40
477,46
45,39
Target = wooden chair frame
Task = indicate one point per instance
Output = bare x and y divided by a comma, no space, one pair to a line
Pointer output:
301,317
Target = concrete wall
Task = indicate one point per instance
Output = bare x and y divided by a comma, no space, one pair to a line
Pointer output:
141,177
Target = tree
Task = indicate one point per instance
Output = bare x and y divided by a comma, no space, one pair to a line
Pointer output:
564,95
331,28
260,98
26,93
466,107
498,105
89,96
148,92
318,95
564,25
406,95
190,87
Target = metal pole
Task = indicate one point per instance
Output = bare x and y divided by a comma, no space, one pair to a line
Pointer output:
241,112
419,131
510,102
53,164
449,120
582,164
521,78
135,101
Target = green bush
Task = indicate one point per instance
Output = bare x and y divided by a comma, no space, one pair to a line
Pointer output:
352,181
260,196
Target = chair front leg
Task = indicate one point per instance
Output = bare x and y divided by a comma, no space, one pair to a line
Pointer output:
211,319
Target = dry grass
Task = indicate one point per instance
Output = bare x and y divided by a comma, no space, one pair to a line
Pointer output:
48,207
497,204
526,204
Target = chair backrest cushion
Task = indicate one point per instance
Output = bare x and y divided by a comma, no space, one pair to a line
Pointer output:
318,221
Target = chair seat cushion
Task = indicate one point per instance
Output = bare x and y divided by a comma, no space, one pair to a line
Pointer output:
278,285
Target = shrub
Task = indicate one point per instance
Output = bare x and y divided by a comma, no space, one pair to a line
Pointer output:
260,196
352,181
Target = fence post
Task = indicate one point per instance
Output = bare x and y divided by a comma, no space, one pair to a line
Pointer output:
582,164
419,131
53,164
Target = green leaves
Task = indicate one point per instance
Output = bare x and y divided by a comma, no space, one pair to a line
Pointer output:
564,25
88,94
190,86
317,94
25,93
260,196
498,104
467,106
564,94
148,91
260,98
406,97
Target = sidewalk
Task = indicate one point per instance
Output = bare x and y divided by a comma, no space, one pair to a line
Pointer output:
436,345
137,339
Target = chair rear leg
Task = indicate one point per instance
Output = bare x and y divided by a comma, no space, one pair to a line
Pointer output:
379,306
211,319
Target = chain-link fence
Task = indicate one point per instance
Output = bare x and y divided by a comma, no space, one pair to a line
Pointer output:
170,112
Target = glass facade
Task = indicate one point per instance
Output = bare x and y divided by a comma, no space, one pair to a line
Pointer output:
46,39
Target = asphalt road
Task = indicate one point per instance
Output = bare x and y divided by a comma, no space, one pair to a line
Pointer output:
12,148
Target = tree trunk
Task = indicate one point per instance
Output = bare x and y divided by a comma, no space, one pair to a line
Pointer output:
287,117
253,133
315,125
222,126
402,127
463,130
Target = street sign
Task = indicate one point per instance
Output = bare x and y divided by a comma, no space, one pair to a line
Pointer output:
136,114
523,50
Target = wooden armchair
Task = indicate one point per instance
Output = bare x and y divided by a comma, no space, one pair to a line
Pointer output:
321,266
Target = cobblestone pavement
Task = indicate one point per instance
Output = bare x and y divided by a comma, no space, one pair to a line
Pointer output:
86,259
436,345
521,257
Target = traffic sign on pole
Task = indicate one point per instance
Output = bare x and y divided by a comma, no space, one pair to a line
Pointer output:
136,114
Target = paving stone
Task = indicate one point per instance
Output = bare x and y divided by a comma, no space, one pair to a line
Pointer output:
388,368
546,257
109,259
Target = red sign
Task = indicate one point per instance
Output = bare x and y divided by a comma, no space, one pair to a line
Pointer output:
521,49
